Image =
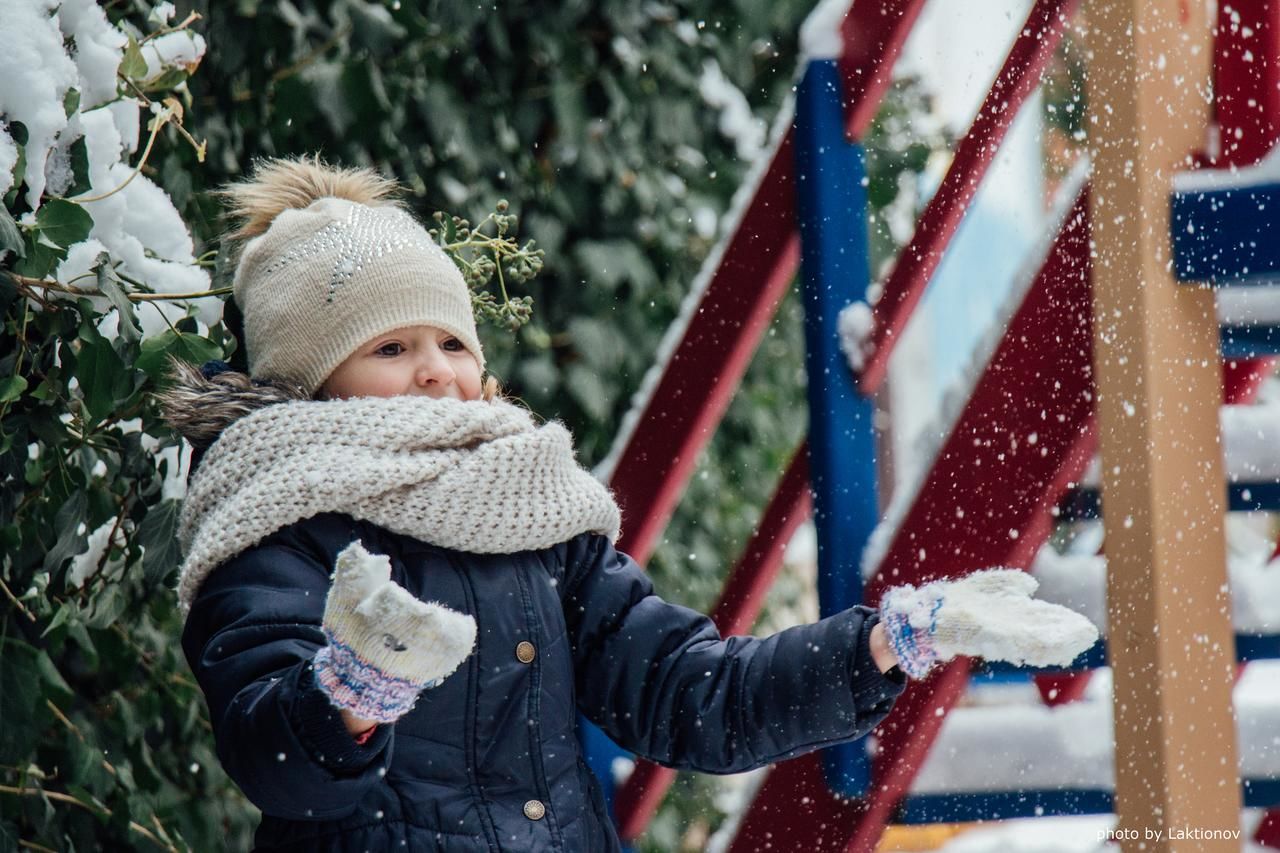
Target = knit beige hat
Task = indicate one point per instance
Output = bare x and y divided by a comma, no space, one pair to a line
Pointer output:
337,265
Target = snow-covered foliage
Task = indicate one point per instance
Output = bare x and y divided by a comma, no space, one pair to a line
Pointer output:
75,86
737,121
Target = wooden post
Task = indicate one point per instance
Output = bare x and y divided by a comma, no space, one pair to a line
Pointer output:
1157,375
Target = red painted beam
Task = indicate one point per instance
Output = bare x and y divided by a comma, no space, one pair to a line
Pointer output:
1247,110
988,500
740,601
873,35
916,263
796,811
753,274
707,365
1268,831
748,585
1246,69
1061,688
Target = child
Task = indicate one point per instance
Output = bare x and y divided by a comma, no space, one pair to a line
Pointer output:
399,589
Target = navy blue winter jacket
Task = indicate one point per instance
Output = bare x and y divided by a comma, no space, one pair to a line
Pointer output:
489,761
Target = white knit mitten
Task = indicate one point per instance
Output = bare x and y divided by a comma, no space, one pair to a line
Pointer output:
989,614
385,646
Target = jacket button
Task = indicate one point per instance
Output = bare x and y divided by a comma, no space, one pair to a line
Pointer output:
525,653
534,810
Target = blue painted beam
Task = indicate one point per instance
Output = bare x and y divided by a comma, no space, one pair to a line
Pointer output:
967,807
832,210
1226,236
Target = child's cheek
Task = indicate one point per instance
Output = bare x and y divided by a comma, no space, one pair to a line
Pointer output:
389,383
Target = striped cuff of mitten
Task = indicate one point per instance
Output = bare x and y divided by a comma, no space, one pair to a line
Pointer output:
913,647
352,683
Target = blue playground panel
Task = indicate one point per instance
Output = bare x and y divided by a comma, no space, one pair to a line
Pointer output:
1004,805
1227,236
1086,504
1255,341
1001,805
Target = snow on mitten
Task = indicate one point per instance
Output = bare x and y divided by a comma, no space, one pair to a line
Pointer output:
385,646
989,614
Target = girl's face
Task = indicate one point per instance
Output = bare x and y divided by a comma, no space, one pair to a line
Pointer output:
415,360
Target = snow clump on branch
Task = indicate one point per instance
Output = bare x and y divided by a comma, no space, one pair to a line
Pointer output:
59,62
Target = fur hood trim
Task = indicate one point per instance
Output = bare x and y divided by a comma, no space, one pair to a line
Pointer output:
201,402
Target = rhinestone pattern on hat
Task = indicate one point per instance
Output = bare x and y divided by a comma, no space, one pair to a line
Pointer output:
365,234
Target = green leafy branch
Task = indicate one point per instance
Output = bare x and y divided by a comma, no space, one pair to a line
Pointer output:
26,283
91,805
483,256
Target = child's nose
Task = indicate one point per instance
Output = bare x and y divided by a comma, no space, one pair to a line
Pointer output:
435,368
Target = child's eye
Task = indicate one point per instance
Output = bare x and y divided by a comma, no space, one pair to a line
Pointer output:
452,345
385,349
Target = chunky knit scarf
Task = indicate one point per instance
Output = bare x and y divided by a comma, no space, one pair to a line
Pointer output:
472,476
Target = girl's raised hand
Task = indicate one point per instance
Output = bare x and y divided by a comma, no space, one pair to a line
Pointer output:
385,645
988,614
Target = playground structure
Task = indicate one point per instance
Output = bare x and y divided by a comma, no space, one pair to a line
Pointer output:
1101,349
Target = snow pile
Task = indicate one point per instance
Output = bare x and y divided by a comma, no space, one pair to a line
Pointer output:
1248,306
1079,581
854,325
1250,445
1032,747
1265,171
8,159
1251,442
85,564
37,74
1070,746
182,49
137,226
820,33
98,50
1037,835
986,748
